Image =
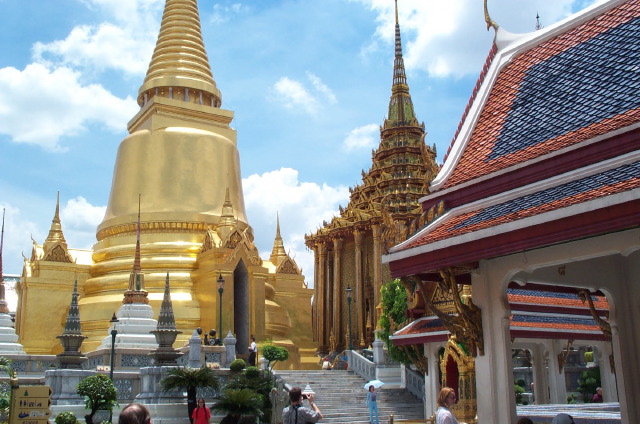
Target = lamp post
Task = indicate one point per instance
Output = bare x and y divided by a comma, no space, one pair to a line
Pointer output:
114,332
349,311
220,290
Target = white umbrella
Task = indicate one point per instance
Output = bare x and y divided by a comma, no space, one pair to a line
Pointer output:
374,383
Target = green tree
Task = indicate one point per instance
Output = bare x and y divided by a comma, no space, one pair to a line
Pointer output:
67,417
99,394
588,382
393,298
190,379
236,403
273,354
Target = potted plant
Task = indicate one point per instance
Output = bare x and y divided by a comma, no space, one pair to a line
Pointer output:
99,394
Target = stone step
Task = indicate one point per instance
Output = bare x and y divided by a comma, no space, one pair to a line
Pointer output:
341,397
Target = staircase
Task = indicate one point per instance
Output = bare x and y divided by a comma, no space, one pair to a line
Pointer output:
341,397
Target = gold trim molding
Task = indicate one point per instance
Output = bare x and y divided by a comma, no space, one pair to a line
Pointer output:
153,227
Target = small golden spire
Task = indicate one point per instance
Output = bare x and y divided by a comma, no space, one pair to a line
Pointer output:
55,246
136,292
278,254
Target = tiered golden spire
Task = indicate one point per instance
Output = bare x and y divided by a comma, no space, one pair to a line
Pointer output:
55,246
179,67
136,292
278,254
4,307
400,106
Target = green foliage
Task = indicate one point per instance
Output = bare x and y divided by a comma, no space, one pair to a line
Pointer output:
67,417
238,402
588,382
393,297
253,379
571,399
187,378
273,354
252,372
237,365
519,391
99,393
190,379
6,366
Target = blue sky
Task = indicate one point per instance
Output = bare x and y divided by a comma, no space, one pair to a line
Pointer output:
309,82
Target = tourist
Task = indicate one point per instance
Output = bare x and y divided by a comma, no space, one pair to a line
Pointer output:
372,404
525,420
252,352
134,413
201,414
563,418
446,400
597,398
296,413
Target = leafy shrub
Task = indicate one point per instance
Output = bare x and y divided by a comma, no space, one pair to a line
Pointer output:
237,365
519,391
273,354
66,417
99,394
252,372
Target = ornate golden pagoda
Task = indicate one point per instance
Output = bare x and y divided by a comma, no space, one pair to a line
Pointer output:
348,249
181,156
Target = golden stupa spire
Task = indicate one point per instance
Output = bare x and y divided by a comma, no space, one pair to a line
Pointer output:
226,217
401,112
278,253
136,292
179,67
4,307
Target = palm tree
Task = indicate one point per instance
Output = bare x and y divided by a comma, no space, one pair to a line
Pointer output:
236,403
190,379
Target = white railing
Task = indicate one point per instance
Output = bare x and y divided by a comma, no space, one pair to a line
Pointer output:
361,365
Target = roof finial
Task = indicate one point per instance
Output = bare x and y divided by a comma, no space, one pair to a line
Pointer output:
490,22
278,254
396,12
538,24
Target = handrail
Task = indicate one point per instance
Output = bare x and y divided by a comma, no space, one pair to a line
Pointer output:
361,365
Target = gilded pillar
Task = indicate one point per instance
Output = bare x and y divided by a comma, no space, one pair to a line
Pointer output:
377,272
359,288
338,328
321,297
316,291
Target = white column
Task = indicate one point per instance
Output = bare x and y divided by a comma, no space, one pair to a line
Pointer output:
607,377
494,369
540,375
557,382
432,383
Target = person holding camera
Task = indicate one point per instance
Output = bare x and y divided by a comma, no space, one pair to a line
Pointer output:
295,413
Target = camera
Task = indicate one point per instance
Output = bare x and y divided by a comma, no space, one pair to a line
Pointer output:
304,396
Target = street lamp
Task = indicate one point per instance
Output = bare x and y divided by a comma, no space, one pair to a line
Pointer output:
114,332
220,290
349,310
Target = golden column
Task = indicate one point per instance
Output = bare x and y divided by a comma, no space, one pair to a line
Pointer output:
357,234
337,291
377,274
321,293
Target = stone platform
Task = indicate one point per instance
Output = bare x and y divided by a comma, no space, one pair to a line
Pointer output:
582,413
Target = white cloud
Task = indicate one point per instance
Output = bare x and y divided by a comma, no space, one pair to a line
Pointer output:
302,207
124,42
39,105
450,38
82,215
223,13
367,136
295,95
322,88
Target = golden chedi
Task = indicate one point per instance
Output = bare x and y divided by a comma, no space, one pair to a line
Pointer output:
181,158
